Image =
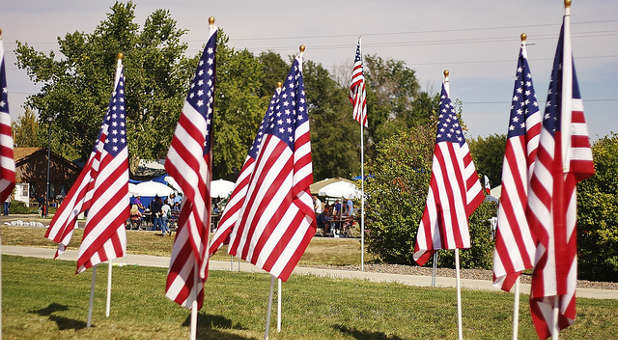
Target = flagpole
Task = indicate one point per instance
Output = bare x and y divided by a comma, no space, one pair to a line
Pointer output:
108,298
362,126
434,268
555,331
270,304
94,278
194,304
459,322
516,310
109,288
279,306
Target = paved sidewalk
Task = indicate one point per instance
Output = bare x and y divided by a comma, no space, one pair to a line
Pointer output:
410,280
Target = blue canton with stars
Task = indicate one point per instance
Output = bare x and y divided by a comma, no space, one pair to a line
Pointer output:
449,129
524,102
4,96
200,95
357,57
291,110
116,120
253,152
552,116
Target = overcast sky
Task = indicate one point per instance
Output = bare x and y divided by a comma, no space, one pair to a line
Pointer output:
477,41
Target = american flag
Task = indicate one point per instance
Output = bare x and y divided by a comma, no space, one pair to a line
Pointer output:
108,209
515,244
7,163
564,157
189,162
77,200
454,190
277,221
237,198
487,185
358,92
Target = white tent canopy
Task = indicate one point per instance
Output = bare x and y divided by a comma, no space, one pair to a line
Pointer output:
171,182
150,188
343,189
221,188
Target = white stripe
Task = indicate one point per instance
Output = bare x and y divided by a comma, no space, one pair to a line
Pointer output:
276,235
290,249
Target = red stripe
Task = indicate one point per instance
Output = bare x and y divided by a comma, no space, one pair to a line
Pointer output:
293,261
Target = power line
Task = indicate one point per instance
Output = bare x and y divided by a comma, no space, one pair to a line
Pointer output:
345,35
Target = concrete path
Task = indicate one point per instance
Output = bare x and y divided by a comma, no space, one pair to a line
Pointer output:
410,280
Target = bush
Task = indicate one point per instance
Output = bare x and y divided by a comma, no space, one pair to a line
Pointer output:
597,215
19,207
396,198
480,254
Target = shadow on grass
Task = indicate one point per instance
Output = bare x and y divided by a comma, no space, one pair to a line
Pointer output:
364,335
62,322
53,307
209,321
206,324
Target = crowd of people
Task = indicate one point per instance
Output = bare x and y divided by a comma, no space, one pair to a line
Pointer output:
161,213
334,219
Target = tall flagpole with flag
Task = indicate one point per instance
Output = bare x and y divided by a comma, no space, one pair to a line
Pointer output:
107,193
454,193
7,162
189,162
515,244
564,157
358,98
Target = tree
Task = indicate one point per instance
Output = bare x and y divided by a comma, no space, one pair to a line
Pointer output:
396,199
77,82
396,194
488,154
26,130
394,99
597,214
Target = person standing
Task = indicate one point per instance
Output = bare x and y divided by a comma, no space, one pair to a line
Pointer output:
7,205
166,212
317,205
349,207
155,209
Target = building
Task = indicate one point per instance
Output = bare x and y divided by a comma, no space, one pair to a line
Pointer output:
31,168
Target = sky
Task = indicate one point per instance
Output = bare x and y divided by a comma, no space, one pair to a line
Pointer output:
477,41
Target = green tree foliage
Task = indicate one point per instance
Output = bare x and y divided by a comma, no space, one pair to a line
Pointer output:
394,99
480,254
397,193
238,108
597,215
397,197
488,154
77,82
26,130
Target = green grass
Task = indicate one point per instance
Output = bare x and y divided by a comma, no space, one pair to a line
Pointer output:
321,251
43,299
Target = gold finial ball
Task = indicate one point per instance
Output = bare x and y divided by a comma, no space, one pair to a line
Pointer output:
523,36
301,48
0,31
279,84
567,3
120,55
211,20
445,73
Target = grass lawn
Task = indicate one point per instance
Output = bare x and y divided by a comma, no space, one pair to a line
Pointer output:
321,251
43,299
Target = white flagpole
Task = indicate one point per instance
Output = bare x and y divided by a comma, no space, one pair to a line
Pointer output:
362,179
555,331
279,306
434,269
459,322
516,310
270,304
109,289
94,278
194,305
